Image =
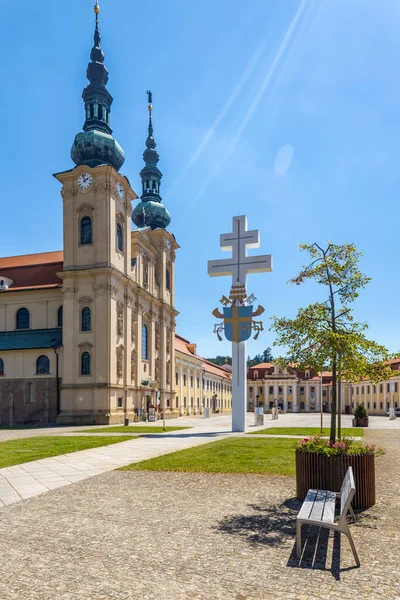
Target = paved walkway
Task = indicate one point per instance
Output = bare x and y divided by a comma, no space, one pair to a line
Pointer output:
37,477
33,478
138,535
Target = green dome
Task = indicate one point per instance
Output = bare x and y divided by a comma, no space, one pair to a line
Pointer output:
94,148
95,145
151,214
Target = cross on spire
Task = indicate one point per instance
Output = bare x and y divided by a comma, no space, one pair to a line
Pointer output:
238,242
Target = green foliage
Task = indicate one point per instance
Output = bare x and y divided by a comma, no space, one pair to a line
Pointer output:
221,360
360,412
343,447
265,357
324,336
235,455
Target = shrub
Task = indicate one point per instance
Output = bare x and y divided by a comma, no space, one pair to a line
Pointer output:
343,447
360,412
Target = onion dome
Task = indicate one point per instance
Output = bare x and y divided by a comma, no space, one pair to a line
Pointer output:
150,212
95,145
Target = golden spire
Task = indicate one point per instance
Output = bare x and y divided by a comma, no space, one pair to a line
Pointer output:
97,11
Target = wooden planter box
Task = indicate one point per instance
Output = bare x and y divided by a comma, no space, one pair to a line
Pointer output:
363,422
318,471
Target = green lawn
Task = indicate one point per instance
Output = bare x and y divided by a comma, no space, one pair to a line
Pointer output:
236,455
308,431
134,429
15,452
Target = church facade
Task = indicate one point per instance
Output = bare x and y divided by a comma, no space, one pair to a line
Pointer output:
87,335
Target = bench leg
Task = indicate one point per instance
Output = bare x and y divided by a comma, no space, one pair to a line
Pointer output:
352,547
351,511
298,538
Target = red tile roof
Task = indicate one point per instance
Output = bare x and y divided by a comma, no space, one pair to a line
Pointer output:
32,271
181,344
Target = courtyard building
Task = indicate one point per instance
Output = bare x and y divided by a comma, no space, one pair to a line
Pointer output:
199,383
303,391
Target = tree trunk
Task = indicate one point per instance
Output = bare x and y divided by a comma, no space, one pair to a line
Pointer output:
332,437
339,408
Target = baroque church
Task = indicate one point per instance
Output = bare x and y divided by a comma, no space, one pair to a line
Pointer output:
87,334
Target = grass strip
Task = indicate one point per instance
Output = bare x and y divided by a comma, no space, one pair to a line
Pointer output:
236,455
307,431
134,429
16,452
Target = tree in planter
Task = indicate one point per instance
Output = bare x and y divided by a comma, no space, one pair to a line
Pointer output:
324,335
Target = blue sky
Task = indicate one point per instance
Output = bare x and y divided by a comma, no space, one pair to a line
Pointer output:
284,111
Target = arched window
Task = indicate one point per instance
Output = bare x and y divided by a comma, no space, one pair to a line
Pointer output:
86,318
85,363
23,319
1,366
60,316
144,342
120,238
167,280
86,231
100,111
43,365
91,111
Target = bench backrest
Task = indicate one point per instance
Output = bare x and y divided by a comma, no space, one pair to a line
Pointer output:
347,492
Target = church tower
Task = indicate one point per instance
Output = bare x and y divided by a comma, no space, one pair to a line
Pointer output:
114,314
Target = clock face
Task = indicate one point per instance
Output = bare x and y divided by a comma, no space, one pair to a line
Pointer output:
85,180
120,191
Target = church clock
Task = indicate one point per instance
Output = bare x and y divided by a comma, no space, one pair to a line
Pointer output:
85,180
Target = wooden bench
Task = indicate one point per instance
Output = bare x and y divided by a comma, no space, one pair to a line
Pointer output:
319,509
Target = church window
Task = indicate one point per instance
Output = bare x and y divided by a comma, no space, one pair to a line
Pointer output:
1,366
167,280
86,231
86,318
100,111
23,319
144,343
91,111
85,363
42,365
60,317
120,238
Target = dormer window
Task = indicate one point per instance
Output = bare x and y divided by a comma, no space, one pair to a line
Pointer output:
5,283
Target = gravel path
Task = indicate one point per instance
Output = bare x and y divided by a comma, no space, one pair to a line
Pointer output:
174,536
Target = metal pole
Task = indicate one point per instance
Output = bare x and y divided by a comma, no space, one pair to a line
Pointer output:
320,407
164,411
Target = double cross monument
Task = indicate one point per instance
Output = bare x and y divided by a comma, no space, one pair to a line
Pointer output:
238,311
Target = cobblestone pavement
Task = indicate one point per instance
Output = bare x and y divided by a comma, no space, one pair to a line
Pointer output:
222,422
178,536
